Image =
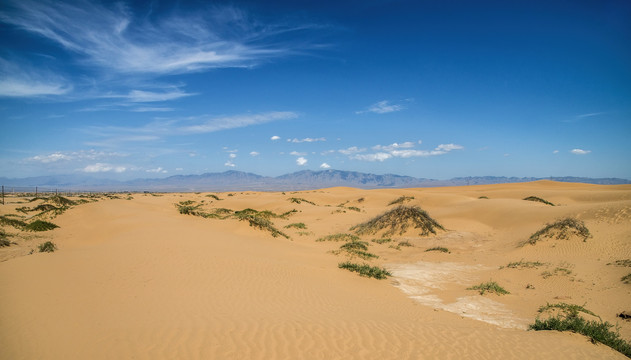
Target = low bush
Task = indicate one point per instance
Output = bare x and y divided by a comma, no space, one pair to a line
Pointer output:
491,287
40,225
339,237
401,200
365,270
538,199
48,246
562,230
398,220
438,248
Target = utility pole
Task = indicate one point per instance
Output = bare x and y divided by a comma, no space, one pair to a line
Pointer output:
2,194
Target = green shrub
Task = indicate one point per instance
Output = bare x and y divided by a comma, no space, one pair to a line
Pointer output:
483,197
48,246
399,220
538,199
365,270
39,225
60,200
438,248
339,237
405,243
213,196
296,226
381,241
6,220
300,201
523,265
491,287
568,319
626,279
562,229
401,200
624,263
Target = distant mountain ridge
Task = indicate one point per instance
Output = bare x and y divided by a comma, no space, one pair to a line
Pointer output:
302,180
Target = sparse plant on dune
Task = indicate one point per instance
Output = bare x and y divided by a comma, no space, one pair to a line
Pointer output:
40,225
60,200
3,239
365,270
257,221
626,279
401,200
398,220
48,246
405,243
300,201
562,230
339,237
382,240
568,318
483,197
214,197
625,263
439,249
356,248
491,287
538,199
523,265
296,226
6,220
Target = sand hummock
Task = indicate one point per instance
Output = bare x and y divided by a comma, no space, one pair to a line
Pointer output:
133,278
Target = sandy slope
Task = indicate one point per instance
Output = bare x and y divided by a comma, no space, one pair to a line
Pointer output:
136,279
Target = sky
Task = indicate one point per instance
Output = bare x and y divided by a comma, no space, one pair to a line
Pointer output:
432,89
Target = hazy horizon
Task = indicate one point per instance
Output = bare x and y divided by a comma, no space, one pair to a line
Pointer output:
425,89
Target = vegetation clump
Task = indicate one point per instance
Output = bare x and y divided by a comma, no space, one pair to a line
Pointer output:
568,319
296,226
339,237
381,241
538,199
483,197
438,248
48,246
401,200
214,197
562,230
626,279
523,265
491,287
259,220
300,201
60,200
624,263
3,239
40,225
365,270
6,220
356,248
560,271
398,220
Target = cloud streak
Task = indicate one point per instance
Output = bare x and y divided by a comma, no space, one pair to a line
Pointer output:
382,107
112,37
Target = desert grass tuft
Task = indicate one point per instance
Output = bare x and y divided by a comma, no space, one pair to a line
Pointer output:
300,201
401,200
214,197
538,199
398,220
6,220
483,197
491,287
559,271
626,279
562,230
568,319
625,263
382,240
296,226
48,246
365,270
523,265
438,248
40,225
3,239
60,200
338,237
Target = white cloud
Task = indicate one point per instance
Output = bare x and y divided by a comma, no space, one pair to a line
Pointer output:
555,152
229,164
149,96
101,167
372,157
254,153
111,36
448,147
325,166
75,156
19,80
580,151
382,107
179,169
301,161
296,153
306,140
232,155
351,150
152,109
236,121
391,147
274,138
157,170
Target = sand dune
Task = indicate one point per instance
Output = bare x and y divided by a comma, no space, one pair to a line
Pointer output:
137,279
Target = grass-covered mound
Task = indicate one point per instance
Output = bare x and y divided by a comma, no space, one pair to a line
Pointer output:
399,220
538,199
491,287
401,200
562,230
60,200
4,241
365,270
8,221
438,248
40,225
48,246
569,317
339,237
356,248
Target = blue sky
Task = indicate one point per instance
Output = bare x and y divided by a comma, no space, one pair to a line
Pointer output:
433,89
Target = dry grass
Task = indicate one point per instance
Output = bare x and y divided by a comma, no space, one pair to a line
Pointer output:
399,220
538,199
562,230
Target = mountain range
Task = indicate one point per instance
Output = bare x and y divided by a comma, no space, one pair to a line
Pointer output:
241,181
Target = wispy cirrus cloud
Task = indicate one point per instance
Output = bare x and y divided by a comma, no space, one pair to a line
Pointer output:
104,167
83,155
396,150
20,80
111,36
308,140
212,124
382,107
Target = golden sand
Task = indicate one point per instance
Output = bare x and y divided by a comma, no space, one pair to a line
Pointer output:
137,279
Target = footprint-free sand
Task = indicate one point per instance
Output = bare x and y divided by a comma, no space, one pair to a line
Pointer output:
134,279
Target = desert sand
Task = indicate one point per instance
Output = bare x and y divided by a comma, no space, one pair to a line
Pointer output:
132,278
